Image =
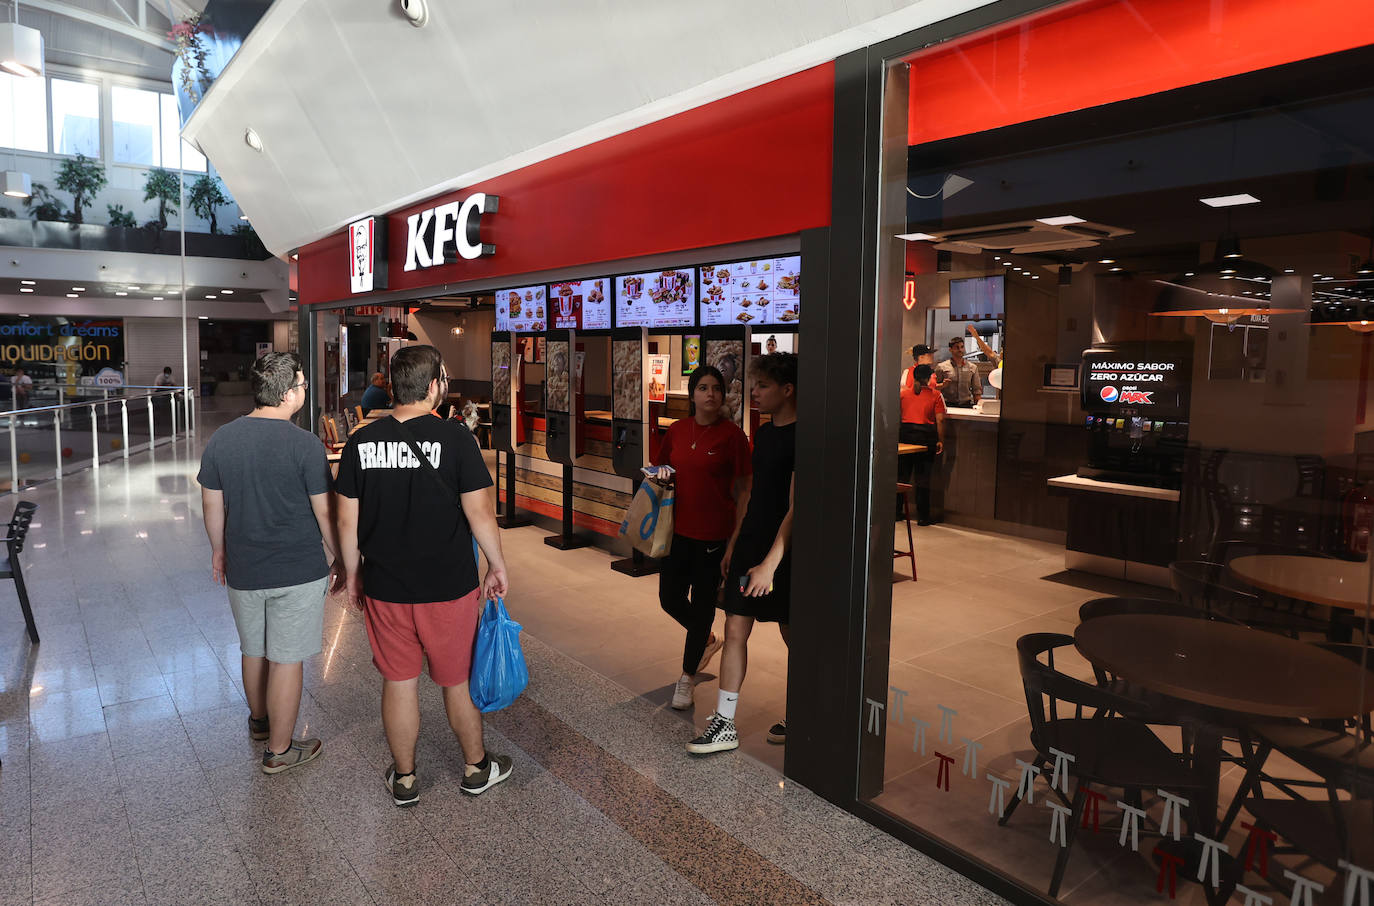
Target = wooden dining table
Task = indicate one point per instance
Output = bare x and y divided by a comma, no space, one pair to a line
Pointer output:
1342,584
1231,670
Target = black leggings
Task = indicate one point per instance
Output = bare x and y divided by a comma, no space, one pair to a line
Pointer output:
918,466
688,579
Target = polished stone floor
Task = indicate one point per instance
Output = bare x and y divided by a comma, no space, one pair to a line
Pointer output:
128,776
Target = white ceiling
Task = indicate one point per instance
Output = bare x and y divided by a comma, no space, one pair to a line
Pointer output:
359,112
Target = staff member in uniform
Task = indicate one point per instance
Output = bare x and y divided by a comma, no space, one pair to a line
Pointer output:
712,473
957,378
923,422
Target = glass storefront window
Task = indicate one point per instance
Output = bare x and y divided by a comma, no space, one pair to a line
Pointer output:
1134,664
75,117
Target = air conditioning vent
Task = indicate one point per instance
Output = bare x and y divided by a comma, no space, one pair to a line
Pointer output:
1026,237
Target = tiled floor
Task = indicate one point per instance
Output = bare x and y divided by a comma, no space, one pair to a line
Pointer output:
128,776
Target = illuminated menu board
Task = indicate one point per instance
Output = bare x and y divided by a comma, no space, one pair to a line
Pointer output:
656,299
521,310
581,305
766,291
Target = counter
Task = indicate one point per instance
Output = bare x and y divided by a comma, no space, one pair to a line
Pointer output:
965,481
1126,531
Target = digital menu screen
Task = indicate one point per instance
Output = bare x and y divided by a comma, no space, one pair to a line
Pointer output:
1149,378
581,305
521,310
656,299
978,298
766,291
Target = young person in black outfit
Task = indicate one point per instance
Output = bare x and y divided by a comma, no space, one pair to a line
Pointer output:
758,573
709,455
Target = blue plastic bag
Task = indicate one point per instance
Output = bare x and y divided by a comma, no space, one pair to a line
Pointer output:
499,673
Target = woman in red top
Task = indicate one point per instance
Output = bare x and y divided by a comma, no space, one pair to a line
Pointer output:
710,458
923,422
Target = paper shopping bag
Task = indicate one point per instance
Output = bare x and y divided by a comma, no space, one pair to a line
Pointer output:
648,522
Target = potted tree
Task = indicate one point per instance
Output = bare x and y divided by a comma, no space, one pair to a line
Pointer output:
163,187
42,204
205,196
83,178
120,217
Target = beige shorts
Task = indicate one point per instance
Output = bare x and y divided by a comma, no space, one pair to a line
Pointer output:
285,625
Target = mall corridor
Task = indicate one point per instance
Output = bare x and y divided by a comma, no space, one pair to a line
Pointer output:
128,775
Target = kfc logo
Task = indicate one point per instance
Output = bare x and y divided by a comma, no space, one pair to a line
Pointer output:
365,272
431,233
1109,394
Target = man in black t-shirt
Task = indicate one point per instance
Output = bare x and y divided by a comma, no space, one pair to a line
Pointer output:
758,572
416,580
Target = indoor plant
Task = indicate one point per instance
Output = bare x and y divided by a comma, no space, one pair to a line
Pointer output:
83,178
204,197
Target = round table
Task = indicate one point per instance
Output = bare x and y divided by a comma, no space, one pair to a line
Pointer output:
1342,584
1221,665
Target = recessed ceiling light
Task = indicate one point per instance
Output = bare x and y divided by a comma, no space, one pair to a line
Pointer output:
1288,270
25,289
916,237
1061,220
226,292
29,282
78,289
252,140
134,289
1189,274
157,298
1106,261
1227,201
121,293
1035,276
212,297
1115,270
202,317
73,296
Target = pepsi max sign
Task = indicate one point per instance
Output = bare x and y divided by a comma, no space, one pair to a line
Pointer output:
1151,377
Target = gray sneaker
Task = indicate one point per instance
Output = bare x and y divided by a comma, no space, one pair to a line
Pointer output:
498,769
300,751
405,790
259,728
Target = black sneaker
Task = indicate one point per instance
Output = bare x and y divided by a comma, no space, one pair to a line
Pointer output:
405,790
777,734
719,736
498,769
258,728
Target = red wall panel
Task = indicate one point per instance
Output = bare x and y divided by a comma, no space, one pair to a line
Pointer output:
1102,51
749,166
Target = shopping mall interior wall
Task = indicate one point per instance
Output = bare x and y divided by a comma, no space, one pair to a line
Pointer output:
154,343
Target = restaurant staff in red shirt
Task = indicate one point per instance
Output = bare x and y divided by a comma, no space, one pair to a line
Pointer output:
923,422
711,461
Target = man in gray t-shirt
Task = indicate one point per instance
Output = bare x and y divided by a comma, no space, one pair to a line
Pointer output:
265,495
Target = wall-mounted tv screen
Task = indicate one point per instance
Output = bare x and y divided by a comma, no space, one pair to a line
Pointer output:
757,293
978,298
580,305
656,299
521,310
1148,377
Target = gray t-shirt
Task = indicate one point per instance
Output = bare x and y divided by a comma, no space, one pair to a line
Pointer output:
960,382
268,469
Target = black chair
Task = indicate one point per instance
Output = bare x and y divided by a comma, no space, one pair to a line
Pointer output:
1114,606
9,567
1109,751
1209,587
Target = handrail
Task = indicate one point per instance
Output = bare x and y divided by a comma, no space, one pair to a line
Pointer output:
169,391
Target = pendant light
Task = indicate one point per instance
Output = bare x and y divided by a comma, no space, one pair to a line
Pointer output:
21,48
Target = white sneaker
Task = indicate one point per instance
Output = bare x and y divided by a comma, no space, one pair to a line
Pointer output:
711,648
682,693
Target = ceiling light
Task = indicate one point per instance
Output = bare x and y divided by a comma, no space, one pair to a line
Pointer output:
1061,220
1222,316
157,298
134,289
73,296
203,317
29,282
226,292
1035,276
212,297
121,293
1288,270
252,139
1366,268
1228,247
16,184
78,289
1229,201
917,237
1106,261
25,289
21,49
1189,274
1115,270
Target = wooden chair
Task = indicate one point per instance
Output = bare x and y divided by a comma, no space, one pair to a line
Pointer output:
358,411
10,569
330,429
903,493
1109,751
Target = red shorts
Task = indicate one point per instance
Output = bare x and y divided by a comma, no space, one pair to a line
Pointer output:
403,635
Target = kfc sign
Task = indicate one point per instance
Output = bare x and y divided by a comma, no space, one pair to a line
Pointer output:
431,233
365,271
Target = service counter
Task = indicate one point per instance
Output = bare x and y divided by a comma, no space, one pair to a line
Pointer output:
966,473
1126,531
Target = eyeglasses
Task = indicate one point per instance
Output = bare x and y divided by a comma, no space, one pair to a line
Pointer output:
302,385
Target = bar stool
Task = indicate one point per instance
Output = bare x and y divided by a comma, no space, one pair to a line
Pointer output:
903,490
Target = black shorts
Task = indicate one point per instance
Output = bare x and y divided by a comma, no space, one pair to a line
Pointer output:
770,608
